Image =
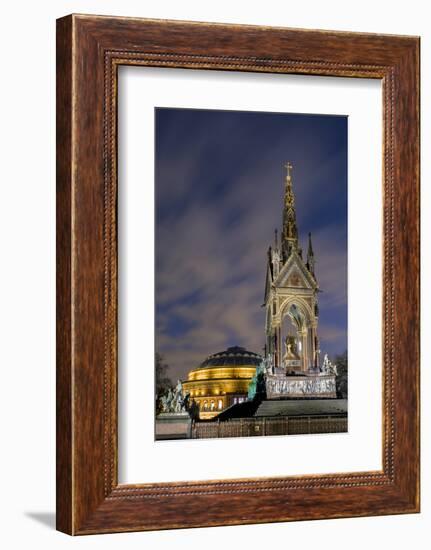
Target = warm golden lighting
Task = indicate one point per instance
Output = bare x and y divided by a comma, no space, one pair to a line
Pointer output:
222,380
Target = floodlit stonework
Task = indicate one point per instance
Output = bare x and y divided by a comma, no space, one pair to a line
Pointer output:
292,352
221,380
291,290
291,363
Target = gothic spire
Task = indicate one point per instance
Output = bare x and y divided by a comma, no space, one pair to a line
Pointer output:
310,256
289,238
310,246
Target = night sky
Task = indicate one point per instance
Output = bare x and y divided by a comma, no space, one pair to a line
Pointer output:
219,197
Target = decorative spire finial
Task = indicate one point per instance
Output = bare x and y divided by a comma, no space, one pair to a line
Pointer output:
289,239
310,256
310,246
288,167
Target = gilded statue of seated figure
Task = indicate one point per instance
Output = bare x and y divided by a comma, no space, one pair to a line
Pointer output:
290,357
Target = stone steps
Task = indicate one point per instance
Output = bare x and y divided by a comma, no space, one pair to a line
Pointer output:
301,407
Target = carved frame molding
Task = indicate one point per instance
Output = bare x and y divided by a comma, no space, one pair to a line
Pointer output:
89,51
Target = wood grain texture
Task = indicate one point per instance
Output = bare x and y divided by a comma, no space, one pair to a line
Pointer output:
64,497
90,49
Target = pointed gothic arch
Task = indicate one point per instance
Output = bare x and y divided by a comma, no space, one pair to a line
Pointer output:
296,313
301,304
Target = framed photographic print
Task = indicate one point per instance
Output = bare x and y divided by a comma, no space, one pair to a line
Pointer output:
219,261
237,274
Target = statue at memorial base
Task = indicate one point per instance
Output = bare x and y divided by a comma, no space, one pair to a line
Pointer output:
174,402
328,367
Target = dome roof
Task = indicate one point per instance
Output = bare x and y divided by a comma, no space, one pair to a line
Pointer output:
234,355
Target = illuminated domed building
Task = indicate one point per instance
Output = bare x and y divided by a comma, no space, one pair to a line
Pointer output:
221,380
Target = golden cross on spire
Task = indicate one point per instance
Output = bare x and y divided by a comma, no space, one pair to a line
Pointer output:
288,167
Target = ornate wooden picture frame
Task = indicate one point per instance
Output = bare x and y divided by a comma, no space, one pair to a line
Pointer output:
89,51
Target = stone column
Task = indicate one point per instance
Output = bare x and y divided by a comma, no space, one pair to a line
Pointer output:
269,343
304,334
279,346
313,346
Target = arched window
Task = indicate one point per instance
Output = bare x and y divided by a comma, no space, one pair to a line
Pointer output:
220,404
212,405
205,405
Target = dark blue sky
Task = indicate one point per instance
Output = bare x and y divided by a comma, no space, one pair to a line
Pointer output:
219,197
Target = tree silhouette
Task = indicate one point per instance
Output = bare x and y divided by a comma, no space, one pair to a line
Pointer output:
163,382
342,376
